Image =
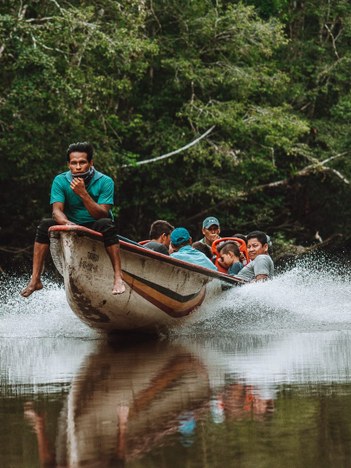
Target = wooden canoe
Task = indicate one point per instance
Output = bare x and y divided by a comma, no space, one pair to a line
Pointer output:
162,292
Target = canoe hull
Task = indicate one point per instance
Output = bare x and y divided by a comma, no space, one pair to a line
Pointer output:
162,292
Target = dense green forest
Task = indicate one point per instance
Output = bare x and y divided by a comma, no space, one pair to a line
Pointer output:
262,88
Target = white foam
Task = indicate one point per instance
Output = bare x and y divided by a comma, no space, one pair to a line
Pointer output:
45,313
313,295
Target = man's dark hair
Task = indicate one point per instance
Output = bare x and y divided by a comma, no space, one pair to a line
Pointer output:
204,248
230,246
81,147
259,235
240,236
160,227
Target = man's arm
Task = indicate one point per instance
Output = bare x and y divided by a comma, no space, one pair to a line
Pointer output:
95,210
261,278
261,267
58,214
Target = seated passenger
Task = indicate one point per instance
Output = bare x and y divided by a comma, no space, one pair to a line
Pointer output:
159,234
261,266
204,248
241,236
230,257
211,230
182,249
242,256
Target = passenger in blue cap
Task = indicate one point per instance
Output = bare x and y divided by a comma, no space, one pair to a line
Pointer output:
182,250
211,230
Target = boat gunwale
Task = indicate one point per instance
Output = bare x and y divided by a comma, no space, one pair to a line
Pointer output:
140,249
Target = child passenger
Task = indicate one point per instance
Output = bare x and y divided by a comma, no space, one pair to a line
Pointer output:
230,257
204,248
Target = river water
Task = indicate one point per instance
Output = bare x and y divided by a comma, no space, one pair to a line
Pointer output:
262,380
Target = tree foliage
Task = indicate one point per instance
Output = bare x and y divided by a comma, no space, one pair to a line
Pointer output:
141,78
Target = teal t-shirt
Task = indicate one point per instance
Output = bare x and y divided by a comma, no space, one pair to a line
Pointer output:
101,189
191,255
235,268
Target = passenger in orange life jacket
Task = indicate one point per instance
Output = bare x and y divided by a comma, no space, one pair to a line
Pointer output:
204,248
230,257
242,256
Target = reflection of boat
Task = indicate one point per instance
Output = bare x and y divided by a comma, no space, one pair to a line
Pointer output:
162,292
126,402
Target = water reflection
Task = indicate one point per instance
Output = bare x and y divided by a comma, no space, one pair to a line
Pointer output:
123,402
40,365
126,402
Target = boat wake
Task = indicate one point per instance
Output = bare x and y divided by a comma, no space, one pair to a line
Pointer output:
313,295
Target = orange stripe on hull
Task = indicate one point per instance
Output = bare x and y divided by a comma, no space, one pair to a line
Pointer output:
173,304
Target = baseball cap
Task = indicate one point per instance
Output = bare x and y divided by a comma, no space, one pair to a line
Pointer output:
210,221
179,236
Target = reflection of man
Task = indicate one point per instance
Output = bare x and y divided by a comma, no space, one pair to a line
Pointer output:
187,427
37,422
240,401
47,455
122,418
80,196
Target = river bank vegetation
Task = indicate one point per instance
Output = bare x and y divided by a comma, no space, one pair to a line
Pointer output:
261,89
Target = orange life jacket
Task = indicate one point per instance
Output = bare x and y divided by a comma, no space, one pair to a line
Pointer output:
242,247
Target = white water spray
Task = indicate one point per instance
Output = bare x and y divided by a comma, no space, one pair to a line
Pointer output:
44,314
42,342
313,295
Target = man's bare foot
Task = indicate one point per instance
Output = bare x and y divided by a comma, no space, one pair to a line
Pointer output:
119,287
31,287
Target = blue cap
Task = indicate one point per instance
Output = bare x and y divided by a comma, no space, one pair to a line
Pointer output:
210,221
179,236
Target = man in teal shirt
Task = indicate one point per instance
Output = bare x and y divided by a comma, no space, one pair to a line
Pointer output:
100,188
81,196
